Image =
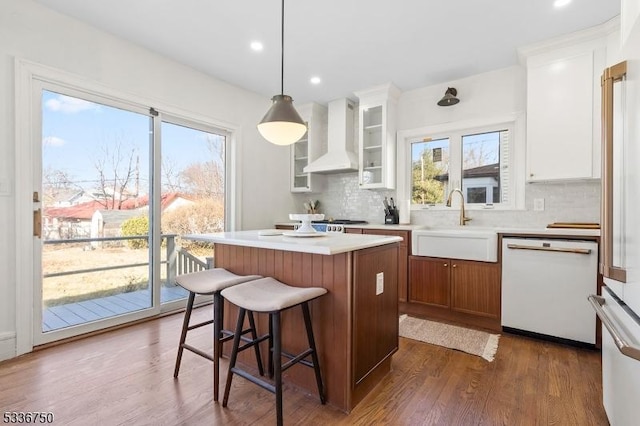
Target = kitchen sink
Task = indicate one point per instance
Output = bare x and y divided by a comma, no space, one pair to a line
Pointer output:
456,243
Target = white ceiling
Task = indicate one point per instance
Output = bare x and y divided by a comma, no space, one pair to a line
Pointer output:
350,44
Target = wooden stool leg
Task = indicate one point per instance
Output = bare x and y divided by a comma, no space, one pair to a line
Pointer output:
270,355
218,316
314,353
183,335
256,347
277,365
234,355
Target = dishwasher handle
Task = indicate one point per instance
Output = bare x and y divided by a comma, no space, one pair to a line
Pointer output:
553,249
623,346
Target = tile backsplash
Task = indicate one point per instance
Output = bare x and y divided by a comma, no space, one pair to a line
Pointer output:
577,201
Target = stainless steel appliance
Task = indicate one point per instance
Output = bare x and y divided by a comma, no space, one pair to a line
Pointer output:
332,225
545,284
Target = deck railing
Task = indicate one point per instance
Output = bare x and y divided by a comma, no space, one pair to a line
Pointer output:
179,261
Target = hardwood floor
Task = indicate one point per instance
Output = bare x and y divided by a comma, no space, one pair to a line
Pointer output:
126,377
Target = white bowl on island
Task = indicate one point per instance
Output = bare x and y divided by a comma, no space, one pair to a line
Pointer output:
305,219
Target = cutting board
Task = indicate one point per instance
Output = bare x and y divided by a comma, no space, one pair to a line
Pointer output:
574,225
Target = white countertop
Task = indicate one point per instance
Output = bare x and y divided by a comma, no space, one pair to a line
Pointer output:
400,227
327,243
500,230
550,231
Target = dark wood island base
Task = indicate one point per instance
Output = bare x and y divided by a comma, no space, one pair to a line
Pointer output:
356,326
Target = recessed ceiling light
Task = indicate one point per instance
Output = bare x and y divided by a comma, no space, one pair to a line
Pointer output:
561,3
257,46
315,80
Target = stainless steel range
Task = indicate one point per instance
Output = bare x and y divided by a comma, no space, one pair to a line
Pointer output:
333,225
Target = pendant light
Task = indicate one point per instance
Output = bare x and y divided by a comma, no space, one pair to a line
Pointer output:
282,125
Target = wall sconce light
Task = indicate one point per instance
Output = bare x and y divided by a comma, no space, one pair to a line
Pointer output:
449,97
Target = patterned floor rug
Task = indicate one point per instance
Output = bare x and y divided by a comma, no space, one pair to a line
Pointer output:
474,342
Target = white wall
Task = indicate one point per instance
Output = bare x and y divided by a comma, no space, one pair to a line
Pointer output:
495,93
32,32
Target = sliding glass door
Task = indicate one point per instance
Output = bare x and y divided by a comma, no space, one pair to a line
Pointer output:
120,185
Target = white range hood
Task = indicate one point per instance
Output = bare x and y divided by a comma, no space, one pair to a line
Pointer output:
341,150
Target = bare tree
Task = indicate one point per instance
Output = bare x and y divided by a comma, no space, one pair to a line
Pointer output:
170,176
206,179
117,167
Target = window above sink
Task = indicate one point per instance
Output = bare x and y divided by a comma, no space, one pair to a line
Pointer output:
484,158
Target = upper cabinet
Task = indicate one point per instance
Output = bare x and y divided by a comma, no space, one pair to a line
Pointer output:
563,107
377,137
309,148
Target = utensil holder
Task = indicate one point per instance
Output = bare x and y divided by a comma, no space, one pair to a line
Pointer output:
392,218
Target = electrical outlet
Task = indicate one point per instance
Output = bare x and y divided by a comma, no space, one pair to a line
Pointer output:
538,204
379,283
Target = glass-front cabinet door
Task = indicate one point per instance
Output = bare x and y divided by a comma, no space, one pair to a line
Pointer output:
299,160
309,148
372,131
377,137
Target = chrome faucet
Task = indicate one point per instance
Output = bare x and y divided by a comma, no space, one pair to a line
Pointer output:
463,218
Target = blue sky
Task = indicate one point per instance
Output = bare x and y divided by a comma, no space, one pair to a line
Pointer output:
75,133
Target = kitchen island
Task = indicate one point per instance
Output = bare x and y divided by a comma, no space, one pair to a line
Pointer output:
355,323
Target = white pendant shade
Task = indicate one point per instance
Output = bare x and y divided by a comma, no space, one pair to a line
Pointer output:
282,125
282,132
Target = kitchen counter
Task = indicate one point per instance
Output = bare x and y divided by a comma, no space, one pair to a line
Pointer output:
571,232
549,232
400,227
326,244
355,323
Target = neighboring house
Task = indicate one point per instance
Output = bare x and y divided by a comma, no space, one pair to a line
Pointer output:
479,184
107,223
76,221
67,197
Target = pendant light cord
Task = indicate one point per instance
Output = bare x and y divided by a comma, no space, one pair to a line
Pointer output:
282,52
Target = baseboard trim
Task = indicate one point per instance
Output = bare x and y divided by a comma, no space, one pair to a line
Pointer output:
7,345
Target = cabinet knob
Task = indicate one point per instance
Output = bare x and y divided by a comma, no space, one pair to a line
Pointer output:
446,264
454,265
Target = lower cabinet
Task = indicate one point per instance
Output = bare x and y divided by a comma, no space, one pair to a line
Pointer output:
455,290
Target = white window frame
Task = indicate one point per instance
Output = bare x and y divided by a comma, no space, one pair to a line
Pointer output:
454,131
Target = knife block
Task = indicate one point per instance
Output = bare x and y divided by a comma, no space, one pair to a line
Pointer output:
392,218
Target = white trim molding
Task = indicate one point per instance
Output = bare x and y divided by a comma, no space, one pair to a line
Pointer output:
7,345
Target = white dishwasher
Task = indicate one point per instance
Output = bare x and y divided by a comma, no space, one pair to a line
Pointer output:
545,285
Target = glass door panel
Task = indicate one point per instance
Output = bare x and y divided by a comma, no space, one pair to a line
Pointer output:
95,222
193,199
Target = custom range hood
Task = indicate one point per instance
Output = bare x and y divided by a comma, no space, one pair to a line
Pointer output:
341,150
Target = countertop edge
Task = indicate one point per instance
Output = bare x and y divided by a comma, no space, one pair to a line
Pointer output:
279,242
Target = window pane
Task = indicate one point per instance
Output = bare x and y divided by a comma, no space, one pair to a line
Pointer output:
484,167
193,172
430,171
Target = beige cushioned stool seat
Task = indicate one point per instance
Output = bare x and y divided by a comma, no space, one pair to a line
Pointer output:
269,295
211,280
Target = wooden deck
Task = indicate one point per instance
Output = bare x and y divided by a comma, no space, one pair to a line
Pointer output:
62,316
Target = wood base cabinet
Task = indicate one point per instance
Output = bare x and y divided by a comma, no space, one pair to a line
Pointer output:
455,290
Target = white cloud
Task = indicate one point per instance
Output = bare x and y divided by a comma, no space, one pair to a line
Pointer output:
69,105
53,141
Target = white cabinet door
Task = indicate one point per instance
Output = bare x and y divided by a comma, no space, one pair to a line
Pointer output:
560,114
308,149
377,137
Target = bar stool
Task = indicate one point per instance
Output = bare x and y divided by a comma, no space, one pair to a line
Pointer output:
212,282
268,295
